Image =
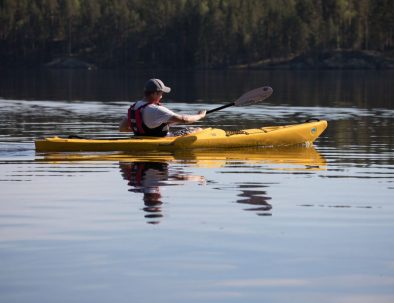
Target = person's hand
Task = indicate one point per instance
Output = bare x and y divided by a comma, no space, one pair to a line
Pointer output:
202,113
124,125
193,118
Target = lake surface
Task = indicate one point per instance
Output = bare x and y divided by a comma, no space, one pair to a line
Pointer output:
251,225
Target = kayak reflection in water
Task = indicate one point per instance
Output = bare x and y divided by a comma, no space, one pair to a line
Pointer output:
147,178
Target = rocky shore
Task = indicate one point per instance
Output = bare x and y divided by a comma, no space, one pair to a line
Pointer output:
69,63
335,59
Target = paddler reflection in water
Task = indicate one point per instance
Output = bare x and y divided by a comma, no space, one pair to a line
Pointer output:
147,178
255,197
148,117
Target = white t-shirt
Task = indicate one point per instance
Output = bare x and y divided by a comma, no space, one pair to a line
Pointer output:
155,115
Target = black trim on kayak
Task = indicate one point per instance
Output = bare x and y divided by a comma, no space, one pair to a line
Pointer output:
75,137
104,138
236,132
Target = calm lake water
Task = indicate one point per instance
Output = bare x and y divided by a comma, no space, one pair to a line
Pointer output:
255,225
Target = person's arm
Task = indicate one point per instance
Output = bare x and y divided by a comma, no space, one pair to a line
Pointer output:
187,118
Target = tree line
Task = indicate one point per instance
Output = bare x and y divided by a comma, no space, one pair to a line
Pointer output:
188,33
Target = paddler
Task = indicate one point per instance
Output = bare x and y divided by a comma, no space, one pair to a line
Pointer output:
148,117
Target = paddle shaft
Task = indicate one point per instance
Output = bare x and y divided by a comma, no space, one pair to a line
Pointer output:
220,107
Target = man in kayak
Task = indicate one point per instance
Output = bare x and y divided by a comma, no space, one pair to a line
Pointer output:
148,117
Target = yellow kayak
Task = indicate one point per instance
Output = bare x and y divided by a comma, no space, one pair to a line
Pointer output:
209,138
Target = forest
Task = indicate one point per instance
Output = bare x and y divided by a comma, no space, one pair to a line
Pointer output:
188,33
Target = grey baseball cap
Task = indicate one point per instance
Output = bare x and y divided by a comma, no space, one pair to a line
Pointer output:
156,85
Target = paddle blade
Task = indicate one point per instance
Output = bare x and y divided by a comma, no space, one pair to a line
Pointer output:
254,96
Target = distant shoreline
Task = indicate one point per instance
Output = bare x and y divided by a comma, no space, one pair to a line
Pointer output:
326,60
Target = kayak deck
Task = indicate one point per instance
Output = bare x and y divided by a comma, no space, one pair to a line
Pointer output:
212,138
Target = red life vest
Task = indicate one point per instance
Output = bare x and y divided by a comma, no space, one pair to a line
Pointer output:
137,125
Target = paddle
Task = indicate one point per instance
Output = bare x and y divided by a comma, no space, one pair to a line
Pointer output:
252,97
